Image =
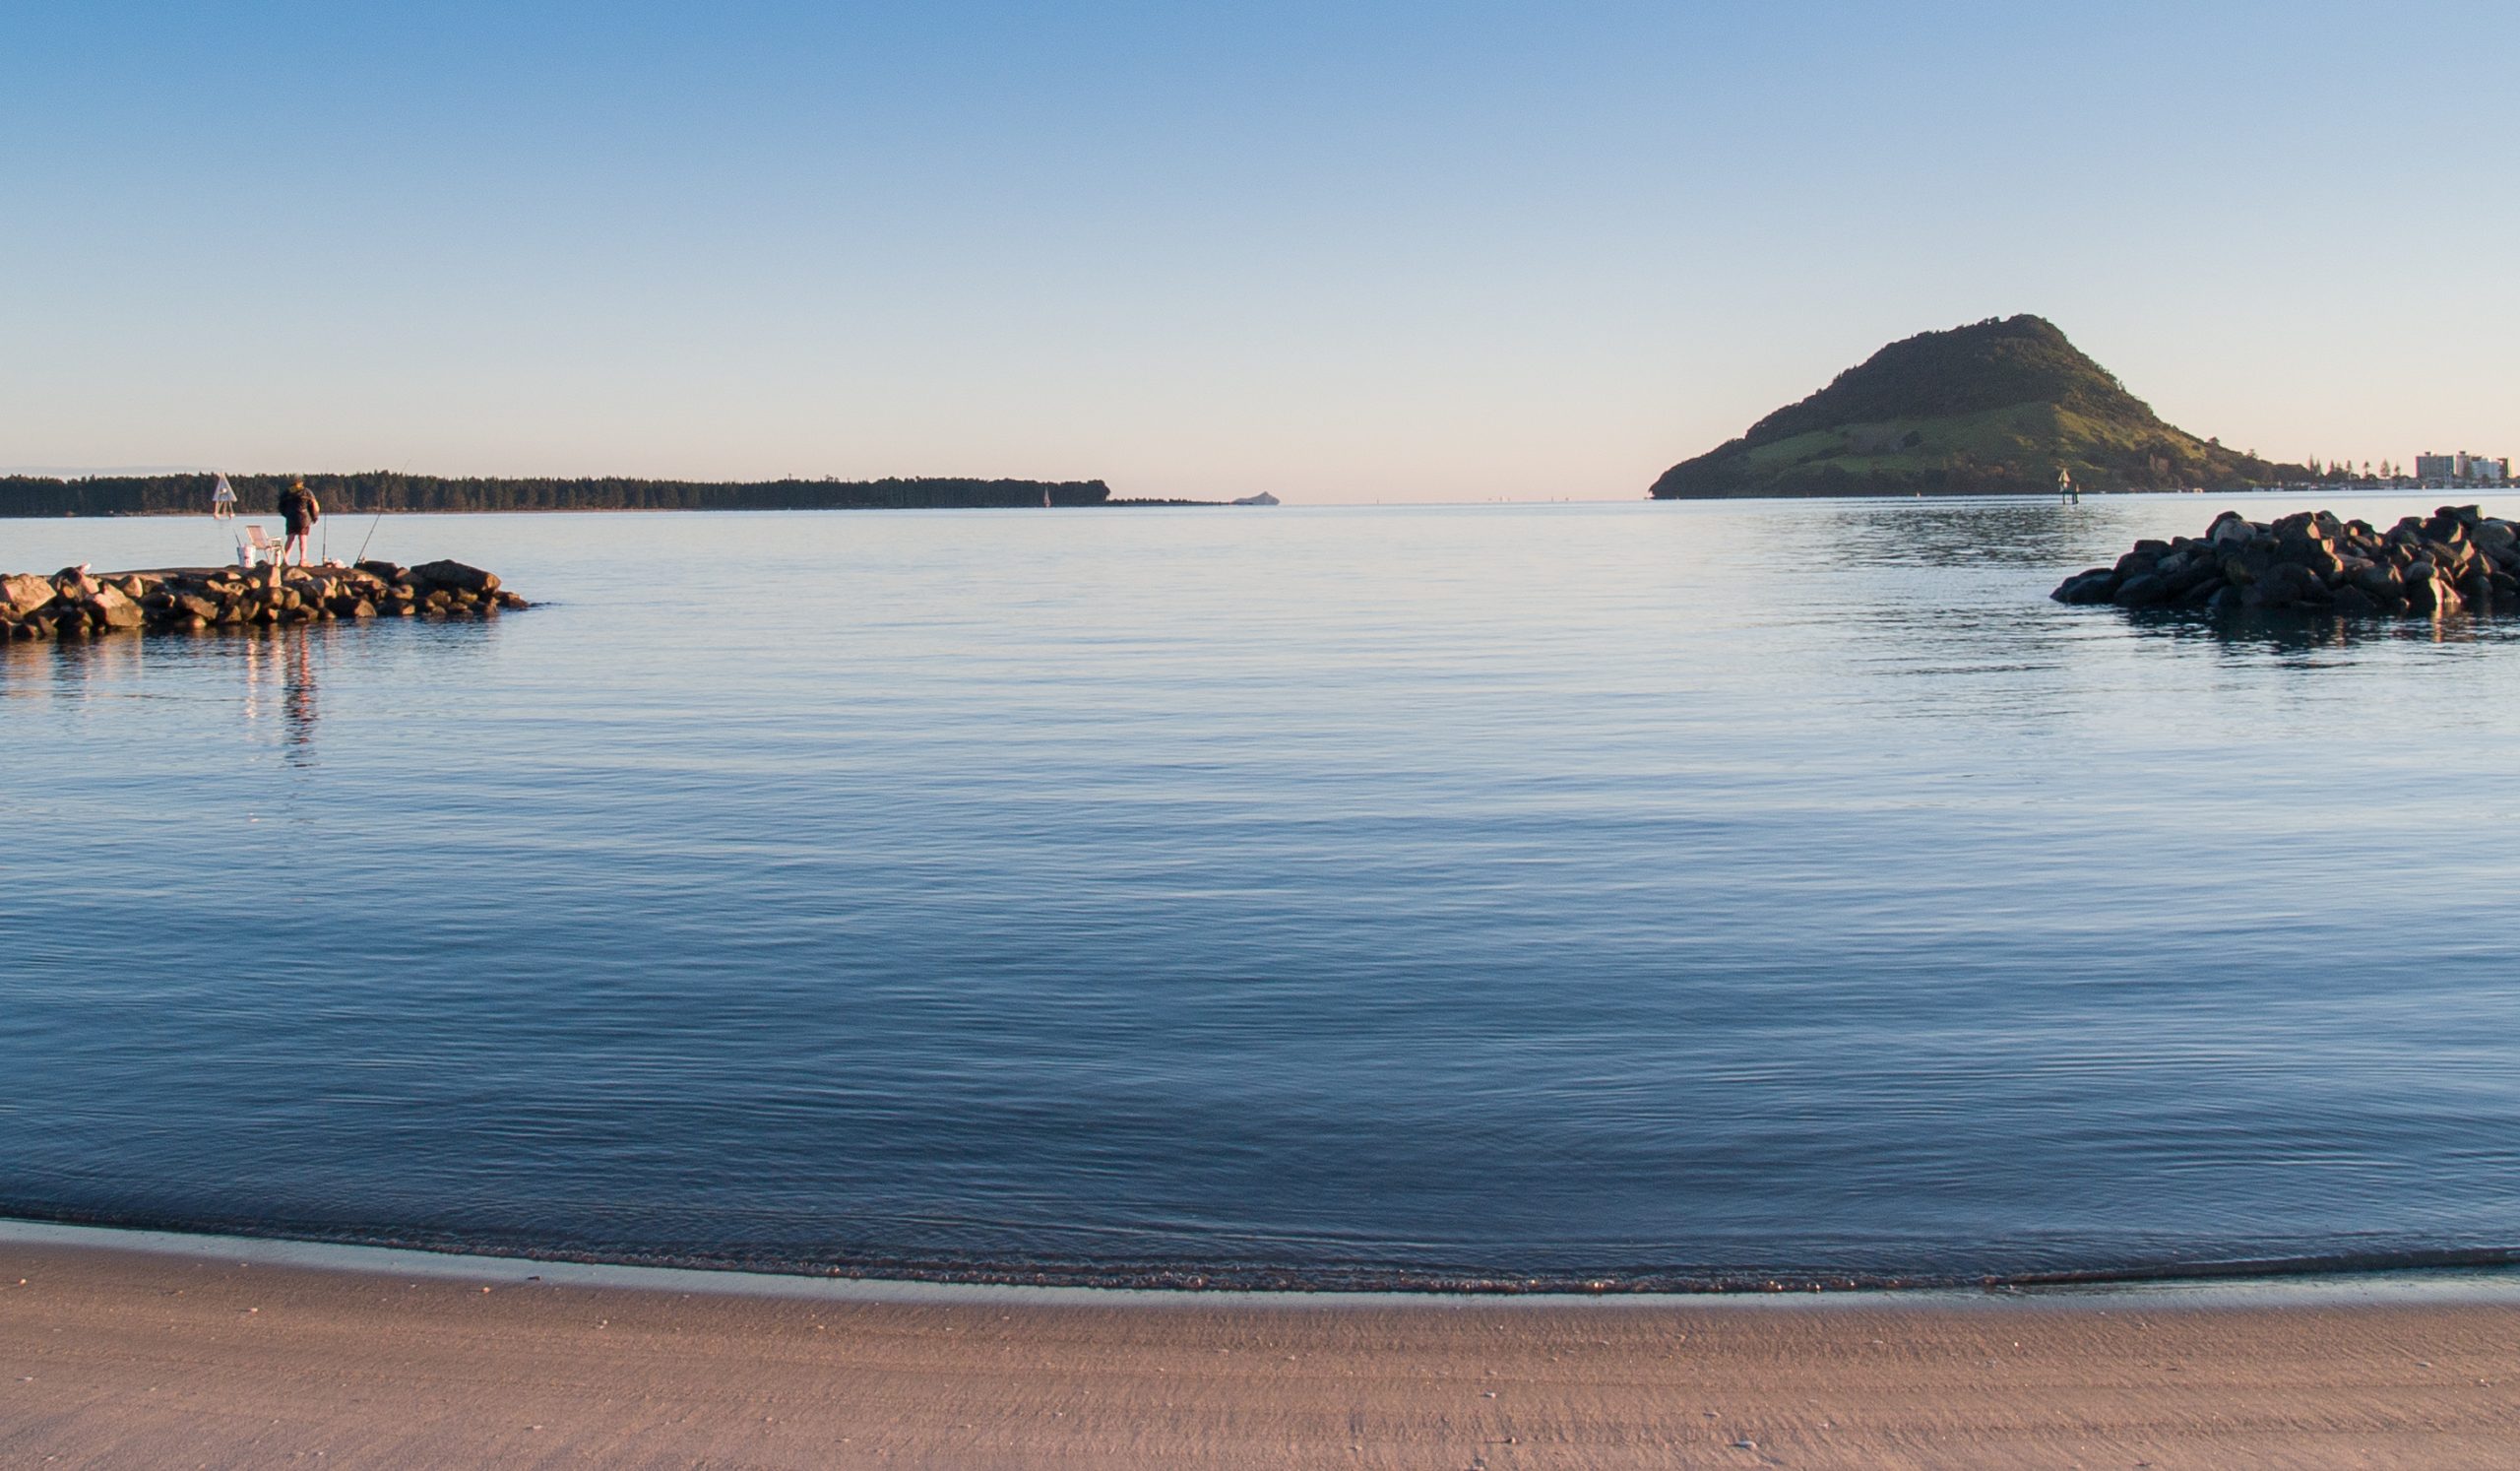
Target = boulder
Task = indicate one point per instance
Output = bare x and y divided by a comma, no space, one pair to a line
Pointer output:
2231,529
110,608
455,575
2143,590
2380,579
2095,586
22,593
2290,584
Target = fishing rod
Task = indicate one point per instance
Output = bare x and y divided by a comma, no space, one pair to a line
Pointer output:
380,515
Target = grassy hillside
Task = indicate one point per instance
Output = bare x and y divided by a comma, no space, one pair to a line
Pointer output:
1990,408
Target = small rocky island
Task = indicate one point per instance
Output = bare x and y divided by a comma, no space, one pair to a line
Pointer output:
2454,560
76,603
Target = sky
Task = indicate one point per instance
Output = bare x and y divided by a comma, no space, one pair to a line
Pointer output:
1339,251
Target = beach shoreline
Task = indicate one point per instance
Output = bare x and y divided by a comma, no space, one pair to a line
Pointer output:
152,1347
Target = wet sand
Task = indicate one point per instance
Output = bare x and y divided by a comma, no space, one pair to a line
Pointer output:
114,1356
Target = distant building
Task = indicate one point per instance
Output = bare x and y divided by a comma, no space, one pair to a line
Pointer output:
1264,498
2453,472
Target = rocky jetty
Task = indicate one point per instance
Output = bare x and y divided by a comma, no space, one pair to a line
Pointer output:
2457,558
76,604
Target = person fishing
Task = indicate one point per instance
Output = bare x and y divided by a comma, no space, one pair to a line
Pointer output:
299,510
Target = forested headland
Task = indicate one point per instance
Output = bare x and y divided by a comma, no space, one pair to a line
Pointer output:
388,490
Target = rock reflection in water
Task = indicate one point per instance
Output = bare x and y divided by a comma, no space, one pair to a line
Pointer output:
2292,633
279,666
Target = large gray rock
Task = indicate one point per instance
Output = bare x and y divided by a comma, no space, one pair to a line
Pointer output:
455,575
2289,585
2380,579
2143,590
2095,586
2428,593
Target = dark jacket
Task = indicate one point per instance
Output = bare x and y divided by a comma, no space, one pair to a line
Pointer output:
298,507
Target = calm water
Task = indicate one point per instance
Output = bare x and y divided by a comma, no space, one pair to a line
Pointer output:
1666,893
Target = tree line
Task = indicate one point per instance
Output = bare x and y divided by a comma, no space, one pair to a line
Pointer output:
390,490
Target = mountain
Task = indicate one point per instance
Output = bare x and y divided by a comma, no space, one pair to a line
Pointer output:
1990,408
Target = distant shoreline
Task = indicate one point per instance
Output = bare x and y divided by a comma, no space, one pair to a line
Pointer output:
371,492
1130,504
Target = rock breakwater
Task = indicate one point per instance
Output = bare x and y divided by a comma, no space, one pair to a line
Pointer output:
75,603
2456,559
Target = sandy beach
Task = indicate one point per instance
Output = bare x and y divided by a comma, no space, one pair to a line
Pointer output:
207,1355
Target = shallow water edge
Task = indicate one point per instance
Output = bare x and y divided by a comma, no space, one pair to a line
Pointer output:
447,1255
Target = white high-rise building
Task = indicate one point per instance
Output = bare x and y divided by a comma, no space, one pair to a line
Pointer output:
2451,471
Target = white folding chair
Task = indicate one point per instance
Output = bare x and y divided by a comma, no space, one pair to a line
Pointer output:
257,550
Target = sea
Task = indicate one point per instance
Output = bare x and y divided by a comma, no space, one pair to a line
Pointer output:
1566,896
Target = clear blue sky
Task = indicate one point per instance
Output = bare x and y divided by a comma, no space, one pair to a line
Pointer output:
1340,251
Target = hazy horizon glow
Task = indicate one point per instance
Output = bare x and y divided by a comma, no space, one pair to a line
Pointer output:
1392,251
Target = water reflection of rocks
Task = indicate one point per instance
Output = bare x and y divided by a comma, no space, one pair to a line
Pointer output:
2293,632
281,682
